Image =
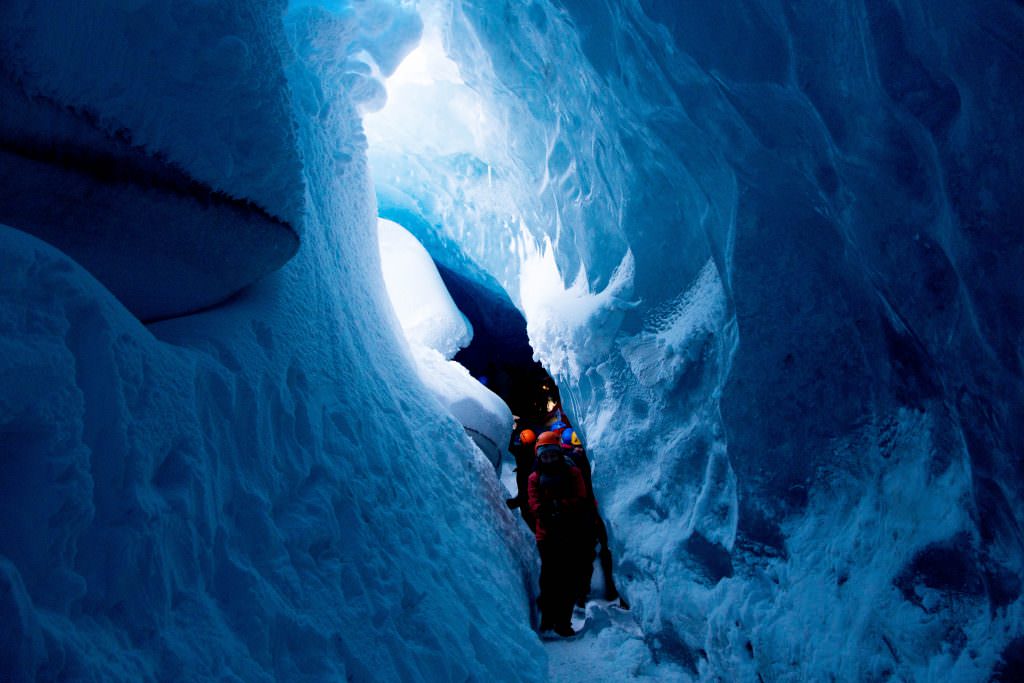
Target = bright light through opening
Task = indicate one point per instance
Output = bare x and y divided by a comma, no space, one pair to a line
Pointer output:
441,160
429,110
427,64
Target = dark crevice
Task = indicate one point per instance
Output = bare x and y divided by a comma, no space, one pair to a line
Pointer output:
500,354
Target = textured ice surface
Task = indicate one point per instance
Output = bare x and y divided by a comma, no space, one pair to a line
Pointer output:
263,491
436,330
771,251
481,412
424,307
153,142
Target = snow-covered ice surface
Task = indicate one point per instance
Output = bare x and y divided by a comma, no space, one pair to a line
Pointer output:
436,329
167,127
264,491
609,647
485,417
424,307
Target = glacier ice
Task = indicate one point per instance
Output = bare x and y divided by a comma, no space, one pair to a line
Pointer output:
421,301
436,329
167,127
262,491
771,252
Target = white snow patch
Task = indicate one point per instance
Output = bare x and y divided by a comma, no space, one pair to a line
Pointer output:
570,328
422,303
485,417
435,330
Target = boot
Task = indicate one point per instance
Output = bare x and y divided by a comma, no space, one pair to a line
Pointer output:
565,630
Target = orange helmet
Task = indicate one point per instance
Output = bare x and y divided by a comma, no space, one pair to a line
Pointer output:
527,436
549,438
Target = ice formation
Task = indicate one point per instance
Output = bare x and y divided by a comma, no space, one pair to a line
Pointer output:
263,491
436,329
771,252
167,127
421,301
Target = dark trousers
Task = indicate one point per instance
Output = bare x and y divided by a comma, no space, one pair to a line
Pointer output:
558,564
587,561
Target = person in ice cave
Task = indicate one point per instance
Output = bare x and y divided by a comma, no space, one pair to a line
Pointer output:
554,418
521,446
557,497
577,454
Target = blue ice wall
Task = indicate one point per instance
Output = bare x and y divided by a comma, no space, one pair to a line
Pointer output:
793,337
263,491
157,123
805,407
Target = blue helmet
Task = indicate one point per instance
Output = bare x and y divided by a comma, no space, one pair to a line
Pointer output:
557,426
567,437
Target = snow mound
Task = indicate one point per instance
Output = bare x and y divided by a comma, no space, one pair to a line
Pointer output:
485,417
436,330
422,303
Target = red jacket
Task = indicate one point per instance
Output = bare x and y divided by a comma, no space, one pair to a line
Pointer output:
568,501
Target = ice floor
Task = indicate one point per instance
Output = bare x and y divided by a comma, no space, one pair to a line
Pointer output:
610,647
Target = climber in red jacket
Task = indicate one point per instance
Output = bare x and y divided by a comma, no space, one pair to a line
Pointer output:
577,455
558,500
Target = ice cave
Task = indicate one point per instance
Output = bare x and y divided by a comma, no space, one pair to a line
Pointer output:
262,260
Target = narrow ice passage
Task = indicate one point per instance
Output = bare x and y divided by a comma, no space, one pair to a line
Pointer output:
770,253
610,644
